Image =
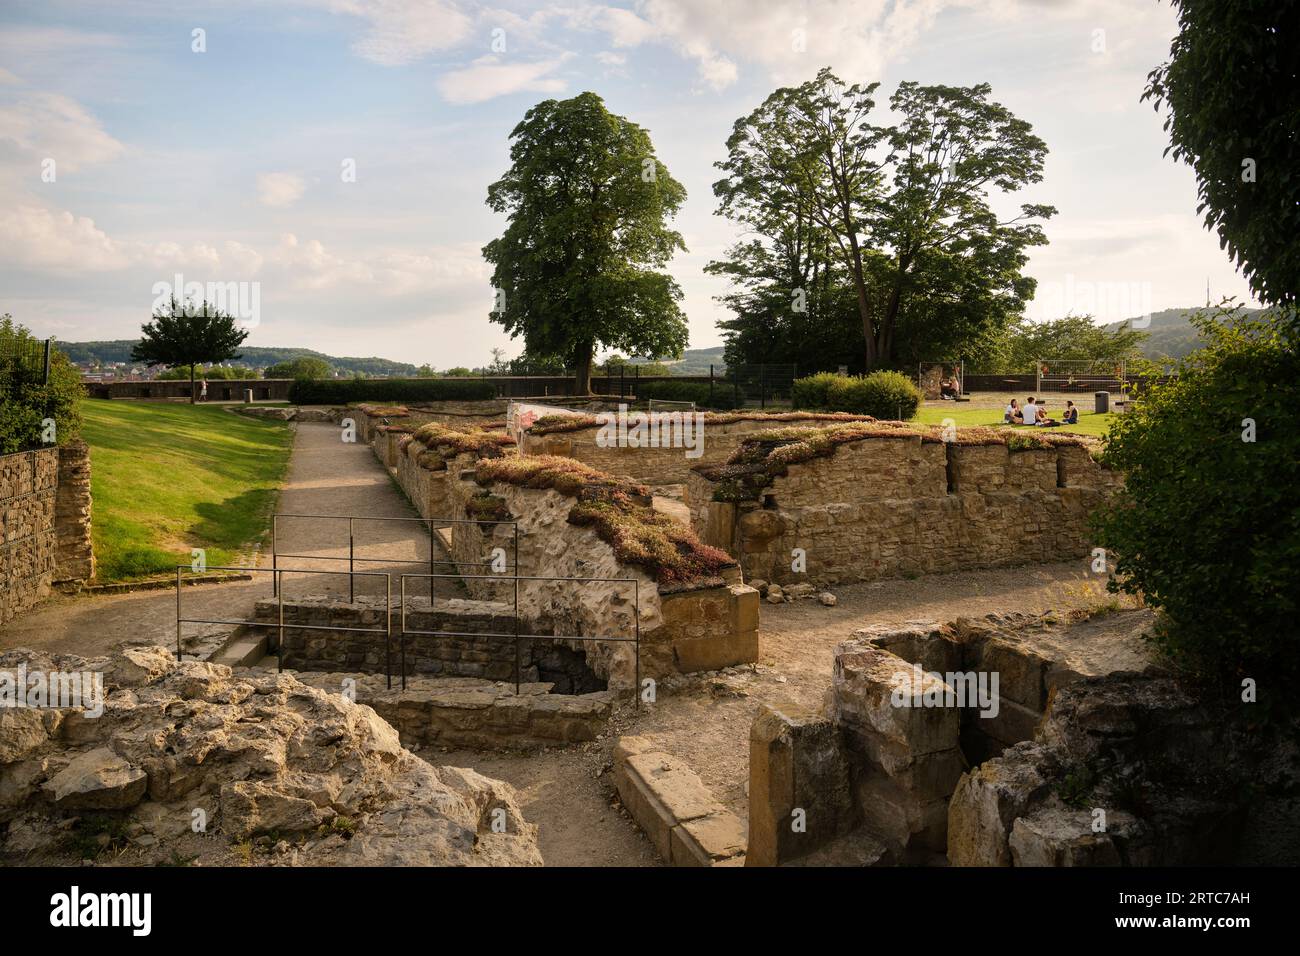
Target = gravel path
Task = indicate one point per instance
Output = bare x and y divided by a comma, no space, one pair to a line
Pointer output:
326,476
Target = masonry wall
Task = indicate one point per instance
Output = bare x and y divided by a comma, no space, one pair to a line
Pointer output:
74,556
651,466
702,628
28,539
892,506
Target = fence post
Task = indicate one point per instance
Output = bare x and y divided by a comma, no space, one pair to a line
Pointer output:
352,595
49,347
178,613
710,384
762,386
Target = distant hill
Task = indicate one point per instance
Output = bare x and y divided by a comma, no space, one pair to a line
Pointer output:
119,350
697,362
1170,335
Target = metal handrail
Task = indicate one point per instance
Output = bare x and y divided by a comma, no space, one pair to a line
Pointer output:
281,627
352,559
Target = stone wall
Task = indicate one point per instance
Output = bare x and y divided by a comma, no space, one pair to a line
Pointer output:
458,712
75,556
702,628
1080,753
652,466
482,645
890,506
28,532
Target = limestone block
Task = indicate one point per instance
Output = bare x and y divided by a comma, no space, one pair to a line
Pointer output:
987,801
97,780
878,694
796,763
1060,837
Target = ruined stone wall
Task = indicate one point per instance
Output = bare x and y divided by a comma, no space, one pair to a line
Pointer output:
891,506
702,628
75,556
460,712
28,535
651,466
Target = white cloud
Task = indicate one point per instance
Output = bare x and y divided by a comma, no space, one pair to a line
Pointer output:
490,76
279,189
611,59
400,31
49,125
42,239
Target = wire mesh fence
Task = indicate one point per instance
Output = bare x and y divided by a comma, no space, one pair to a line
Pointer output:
24,363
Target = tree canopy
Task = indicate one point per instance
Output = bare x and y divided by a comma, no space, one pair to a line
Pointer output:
1232,88
875,239
579,264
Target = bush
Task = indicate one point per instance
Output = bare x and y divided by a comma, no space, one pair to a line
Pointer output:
697,392
882,394
24,407
346,391
1207,527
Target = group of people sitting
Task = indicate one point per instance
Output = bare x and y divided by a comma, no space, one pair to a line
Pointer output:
1036,414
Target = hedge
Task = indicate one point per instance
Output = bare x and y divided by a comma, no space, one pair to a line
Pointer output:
882,394
697,392
348,390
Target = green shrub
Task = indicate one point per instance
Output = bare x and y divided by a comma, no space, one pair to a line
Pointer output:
697,392
882,394
1207,526
25,405
346,391
813,391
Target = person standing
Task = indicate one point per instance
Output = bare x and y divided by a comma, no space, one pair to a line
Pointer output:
203,391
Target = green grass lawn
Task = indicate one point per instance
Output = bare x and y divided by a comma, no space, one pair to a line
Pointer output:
1090,423
170,477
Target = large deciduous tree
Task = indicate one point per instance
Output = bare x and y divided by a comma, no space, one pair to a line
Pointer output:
188,335
1232,87
578,267
896,217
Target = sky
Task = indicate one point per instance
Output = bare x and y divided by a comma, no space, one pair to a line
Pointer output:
332,157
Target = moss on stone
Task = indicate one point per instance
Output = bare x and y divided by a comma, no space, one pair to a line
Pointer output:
621,514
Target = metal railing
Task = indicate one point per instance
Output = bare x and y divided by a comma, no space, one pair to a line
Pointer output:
516,636
279,625
430,523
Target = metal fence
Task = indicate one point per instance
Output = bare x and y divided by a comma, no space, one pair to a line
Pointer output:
761,384
431,525
24,363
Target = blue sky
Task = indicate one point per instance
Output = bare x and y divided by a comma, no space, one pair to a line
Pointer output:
225,165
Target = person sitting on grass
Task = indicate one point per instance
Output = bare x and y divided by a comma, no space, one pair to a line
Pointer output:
1041,419
1071,414
1012,415
1030,414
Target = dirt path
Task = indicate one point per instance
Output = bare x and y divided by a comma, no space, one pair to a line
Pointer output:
326,476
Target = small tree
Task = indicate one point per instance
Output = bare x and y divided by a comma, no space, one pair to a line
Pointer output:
188,335
1207,526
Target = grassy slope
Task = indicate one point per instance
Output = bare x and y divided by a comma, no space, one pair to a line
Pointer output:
1090,423
170,477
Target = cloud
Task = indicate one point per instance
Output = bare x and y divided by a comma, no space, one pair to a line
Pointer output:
42,239
490,76
49,125
789,40
400,31
279,189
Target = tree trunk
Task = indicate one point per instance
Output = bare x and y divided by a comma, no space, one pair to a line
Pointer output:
582,359
191,383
